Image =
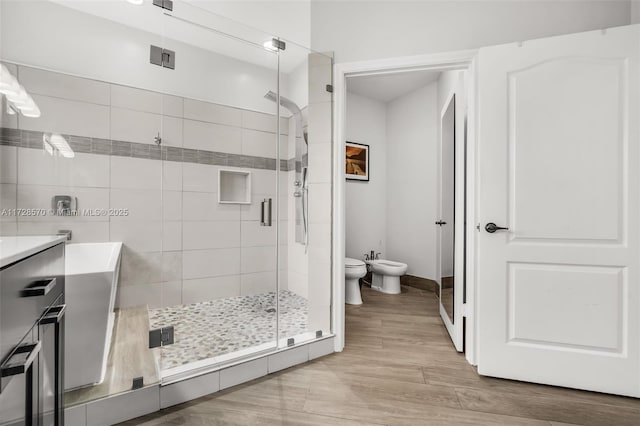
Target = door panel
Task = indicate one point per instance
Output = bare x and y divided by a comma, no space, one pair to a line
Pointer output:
558,165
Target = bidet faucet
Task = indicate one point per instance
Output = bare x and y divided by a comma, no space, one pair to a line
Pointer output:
366,256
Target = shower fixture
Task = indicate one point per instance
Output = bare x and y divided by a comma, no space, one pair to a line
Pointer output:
301,181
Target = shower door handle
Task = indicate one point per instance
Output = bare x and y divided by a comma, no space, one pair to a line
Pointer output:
268,203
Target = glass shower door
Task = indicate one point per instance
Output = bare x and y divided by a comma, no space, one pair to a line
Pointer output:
220,155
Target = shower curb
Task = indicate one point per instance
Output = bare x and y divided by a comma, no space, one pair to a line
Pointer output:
129,405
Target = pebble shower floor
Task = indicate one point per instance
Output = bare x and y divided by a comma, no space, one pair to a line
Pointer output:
207,329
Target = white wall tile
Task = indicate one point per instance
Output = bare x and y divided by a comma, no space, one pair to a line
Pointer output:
189,389
40,197
320,126
261,282
288,358
319,203
8,164
259,121
203,206
8,200
258,143
172,176
9,228
207,235
64,86
244,372
210,263
199,177
171,265
171,131
68,117
171,205
172,236
139,268
320,242
123,406
212,113
204,289
82,232
172,106
139,295
319,282
321,348
9,121
212,137
136,173
138,235
143,205
258,259
37,167
171,293
320,162
263,182
136,99
253,234
134,126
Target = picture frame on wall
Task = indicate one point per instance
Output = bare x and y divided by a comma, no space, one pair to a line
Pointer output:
357,161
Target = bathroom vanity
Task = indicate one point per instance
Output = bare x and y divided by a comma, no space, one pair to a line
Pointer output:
32,307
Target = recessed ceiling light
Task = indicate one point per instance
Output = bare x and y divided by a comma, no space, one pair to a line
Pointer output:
136,2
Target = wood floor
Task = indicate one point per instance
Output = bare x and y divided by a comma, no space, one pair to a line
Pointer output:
398,368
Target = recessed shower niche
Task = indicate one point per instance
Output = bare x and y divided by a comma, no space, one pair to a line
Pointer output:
234,186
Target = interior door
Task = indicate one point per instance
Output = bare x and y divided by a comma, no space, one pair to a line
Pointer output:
558,166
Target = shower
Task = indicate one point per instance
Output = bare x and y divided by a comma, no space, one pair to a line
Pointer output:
301,158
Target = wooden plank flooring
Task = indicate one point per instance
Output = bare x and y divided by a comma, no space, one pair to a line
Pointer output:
398,368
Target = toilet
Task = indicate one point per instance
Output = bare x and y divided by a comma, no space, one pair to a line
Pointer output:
386,275
354,269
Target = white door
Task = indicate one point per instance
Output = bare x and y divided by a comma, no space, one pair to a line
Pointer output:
558,160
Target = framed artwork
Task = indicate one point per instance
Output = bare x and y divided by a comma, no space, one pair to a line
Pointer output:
357,161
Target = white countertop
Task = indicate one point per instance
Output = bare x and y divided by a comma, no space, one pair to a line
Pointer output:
13,249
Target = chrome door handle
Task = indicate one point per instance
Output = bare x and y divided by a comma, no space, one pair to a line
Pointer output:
269,207
262,213
492,227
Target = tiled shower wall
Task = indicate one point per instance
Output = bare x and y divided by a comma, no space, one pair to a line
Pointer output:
181,246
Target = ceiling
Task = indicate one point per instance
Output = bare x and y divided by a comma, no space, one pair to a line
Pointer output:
387,87
201,24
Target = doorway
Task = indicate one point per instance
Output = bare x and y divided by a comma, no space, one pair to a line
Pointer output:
454,99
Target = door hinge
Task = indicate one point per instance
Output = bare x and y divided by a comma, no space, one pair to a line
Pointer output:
160,337
162,57
165,4
329,88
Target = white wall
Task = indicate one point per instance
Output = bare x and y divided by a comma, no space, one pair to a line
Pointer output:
412,154
366,226
55,37
358,30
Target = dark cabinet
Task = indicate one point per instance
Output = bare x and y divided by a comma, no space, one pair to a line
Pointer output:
32,340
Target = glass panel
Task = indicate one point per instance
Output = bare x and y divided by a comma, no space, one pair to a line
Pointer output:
220,135
84,163
305,246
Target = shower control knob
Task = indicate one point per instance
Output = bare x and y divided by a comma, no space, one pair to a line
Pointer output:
492,227
297,194
297,183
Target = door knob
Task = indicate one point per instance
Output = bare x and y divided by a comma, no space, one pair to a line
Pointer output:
441,223
492,227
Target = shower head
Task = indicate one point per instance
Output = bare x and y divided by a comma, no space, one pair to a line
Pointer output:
287,103
293,108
